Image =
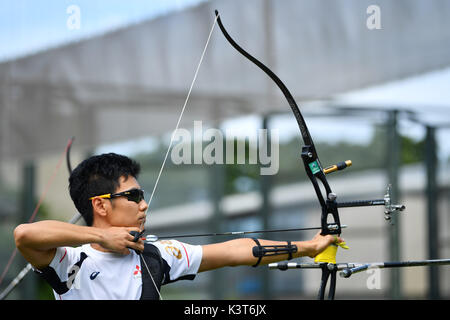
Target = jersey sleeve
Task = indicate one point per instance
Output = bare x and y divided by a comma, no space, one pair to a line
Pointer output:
61,271
183,260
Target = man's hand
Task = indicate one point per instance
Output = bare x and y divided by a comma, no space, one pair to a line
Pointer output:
319,243
38,241
119,240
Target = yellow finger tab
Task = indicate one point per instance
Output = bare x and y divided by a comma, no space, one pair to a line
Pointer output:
328,255
343,245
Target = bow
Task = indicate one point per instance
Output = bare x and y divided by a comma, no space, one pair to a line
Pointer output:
316,174
309,154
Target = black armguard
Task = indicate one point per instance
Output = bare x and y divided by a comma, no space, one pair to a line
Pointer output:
260,251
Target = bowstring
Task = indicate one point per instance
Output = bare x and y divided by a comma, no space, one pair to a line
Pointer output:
151,277
172,139
181,115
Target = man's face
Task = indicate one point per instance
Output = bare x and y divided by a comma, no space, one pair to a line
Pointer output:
126,213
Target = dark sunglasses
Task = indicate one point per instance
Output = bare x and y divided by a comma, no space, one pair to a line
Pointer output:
135,195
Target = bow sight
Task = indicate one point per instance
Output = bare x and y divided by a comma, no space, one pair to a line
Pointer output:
389,208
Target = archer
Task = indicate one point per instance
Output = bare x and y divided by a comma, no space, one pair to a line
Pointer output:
107,258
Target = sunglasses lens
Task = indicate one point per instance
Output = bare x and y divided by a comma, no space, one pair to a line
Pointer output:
135,195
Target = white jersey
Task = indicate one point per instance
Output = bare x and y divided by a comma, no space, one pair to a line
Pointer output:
85,273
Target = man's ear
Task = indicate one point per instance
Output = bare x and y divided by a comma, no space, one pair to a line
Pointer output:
100,206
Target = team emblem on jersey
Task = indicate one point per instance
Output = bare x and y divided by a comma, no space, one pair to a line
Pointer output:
137,272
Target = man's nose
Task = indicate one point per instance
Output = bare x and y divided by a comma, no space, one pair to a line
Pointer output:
143,205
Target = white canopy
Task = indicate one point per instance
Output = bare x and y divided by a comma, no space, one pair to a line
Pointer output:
133,82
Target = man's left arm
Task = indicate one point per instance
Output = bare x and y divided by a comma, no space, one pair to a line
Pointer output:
239,252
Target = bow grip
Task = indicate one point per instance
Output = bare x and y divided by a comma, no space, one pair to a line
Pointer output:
136,235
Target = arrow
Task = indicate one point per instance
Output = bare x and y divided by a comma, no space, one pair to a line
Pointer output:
153,238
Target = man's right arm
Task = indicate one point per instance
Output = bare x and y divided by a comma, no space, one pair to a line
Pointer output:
38,241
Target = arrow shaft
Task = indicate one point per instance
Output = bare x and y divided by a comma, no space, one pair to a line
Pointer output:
230,233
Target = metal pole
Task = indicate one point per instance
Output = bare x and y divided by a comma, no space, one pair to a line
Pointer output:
217,182
265,187
432,199
29,286
266,180
393,161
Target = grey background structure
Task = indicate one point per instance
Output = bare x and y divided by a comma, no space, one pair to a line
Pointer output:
134,80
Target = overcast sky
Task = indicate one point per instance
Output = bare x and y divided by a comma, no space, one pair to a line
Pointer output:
30,25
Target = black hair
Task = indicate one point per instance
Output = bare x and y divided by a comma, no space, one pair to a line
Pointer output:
98,175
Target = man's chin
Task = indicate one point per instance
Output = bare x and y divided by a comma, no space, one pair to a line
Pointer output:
141,224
